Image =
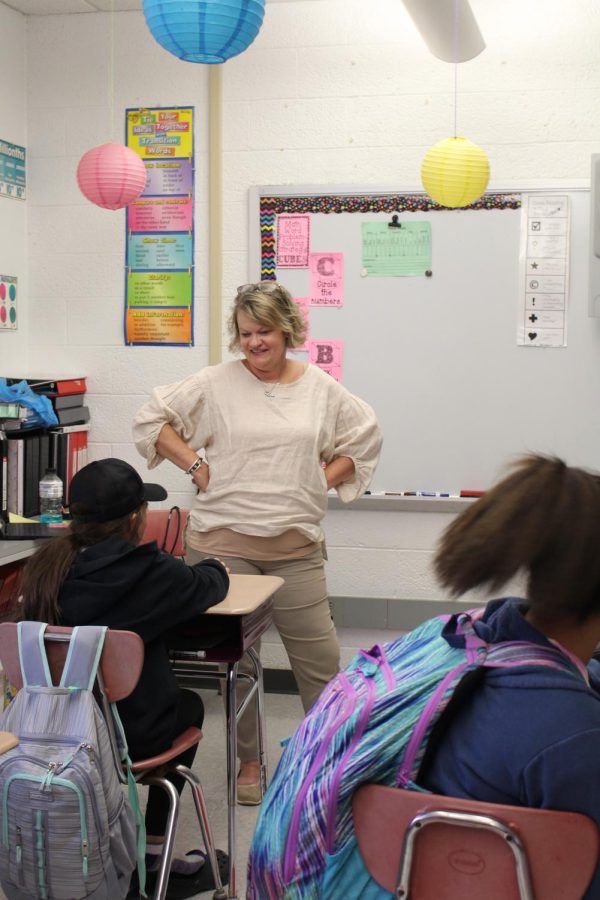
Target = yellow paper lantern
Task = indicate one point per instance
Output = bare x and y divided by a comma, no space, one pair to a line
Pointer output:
455,172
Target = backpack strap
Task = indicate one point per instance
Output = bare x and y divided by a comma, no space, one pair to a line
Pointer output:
466,687
507,655
510,654
83,658
479,655
32,654
81,665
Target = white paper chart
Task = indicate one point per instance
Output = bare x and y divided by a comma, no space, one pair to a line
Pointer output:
544,271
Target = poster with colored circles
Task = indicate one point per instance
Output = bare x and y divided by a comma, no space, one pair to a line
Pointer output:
8,303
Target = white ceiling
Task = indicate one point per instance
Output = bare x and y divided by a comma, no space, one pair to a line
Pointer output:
59,7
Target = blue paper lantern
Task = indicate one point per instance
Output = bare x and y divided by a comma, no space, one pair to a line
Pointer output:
204,31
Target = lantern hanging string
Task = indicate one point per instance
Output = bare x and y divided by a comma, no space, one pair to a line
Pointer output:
456,49
111,75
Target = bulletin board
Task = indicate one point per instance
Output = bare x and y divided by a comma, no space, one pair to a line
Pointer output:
437,356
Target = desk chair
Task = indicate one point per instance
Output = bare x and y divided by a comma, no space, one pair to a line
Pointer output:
10,580
166,527
119,671
422,846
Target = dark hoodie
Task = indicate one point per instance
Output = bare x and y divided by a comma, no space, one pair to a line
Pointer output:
528,736
145,590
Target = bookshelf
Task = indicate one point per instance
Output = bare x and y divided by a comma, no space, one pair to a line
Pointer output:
27,450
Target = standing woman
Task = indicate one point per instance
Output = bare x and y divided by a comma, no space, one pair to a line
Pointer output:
278,434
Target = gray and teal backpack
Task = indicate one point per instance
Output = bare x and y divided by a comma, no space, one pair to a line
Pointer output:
68,831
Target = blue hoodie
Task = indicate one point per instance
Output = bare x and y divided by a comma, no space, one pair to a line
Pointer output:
528,736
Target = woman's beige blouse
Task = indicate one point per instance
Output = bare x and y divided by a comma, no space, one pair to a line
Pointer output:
264,444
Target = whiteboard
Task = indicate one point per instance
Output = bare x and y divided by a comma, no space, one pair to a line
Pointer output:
437,357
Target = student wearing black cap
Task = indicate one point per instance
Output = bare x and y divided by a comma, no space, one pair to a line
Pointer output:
99,574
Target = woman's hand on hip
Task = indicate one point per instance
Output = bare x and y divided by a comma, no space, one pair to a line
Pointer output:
201,477
338,470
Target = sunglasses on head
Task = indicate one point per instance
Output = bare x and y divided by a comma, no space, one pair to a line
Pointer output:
266,287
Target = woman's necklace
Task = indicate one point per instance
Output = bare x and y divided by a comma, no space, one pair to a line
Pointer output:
270,387
270,390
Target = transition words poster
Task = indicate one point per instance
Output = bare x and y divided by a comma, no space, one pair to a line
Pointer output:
159,281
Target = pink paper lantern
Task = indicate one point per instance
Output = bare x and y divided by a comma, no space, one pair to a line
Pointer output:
111,175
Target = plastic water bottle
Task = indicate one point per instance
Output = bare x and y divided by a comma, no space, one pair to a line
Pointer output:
51,496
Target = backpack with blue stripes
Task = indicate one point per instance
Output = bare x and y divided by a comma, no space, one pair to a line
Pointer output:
372,723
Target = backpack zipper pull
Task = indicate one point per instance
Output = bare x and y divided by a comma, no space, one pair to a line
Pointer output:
60,767
19,847
46,783
84,852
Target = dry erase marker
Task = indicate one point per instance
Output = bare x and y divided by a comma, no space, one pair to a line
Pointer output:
426,494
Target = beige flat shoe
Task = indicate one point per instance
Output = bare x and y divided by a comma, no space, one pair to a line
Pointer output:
249,794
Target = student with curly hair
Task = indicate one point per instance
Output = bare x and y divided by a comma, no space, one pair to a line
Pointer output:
528,736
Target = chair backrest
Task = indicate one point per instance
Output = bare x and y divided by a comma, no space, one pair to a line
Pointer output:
166,527
10,581
120,664
453,862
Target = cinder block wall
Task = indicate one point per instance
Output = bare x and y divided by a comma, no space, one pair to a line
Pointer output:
13,213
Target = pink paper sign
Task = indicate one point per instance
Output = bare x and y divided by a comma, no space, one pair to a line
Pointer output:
326,279
161,214
327,355
293,240
304,304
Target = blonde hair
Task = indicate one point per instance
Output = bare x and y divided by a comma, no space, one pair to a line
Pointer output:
268,303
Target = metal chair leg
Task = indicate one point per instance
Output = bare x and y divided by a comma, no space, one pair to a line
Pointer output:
260,718
162,879
207,837
231,715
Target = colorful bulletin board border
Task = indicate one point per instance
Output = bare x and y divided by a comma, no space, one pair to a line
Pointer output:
271,207
159,280
8,303
12,170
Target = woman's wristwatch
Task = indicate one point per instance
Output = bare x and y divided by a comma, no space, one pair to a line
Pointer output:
198,462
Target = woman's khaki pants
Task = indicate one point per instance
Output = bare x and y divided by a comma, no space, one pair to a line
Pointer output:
302,617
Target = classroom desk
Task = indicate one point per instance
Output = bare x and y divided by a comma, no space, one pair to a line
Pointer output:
222,635
12,551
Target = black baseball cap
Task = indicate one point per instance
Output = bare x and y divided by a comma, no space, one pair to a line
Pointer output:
109,489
